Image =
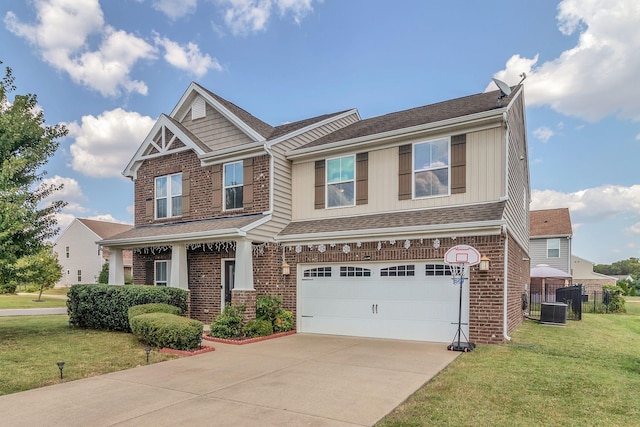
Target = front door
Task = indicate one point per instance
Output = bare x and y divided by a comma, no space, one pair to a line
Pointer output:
229,274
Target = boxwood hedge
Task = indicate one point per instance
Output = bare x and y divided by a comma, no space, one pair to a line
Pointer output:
106,306
168,330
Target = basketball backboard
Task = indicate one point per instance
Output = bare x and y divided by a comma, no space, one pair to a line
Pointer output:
462,254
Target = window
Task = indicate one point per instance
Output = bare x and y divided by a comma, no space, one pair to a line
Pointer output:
233,181
437,270
161,276
398,271
67,251
169,196
318,272
341,182
79,276
553,248
354,272
431,168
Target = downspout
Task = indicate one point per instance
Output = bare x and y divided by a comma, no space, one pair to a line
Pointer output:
505,283
271,173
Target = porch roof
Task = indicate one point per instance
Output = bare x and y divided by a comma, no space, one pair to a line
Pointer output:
187,231
405,222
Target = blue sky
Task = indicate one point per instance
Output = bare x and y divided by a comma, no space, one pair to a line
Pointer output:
108,69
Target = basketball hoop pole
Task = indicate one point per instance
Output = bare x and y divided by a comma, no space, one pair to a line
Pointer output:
459,258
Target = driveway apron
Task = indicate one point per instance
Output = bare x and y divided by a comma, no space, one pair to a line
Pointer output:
312,380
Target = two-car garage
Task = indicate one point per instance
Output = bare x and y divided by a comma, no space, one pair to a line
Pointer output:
410,300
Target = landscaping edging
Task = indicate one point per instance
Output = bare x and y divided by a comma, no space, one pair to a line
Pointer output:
248,340
201,350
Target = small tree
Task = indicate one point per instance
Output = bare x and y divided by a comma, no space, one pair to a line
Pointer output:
41,269
103,278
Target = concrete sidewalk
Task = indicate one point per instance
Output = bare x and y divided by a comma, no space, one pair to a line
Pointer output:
312,380
32,311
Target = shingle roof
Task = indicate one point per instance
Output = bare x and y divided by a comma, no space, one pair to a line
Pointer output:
292,127
105,229
417,116
550,222
438,216
164,231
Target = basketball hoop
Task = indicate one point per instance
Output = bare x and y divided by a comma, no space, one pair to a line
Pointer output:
458,258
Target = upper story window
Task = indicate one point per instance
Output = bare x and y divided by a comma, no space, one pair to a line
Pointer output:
169,196
233,182
66,250
431,168
553,248
341,186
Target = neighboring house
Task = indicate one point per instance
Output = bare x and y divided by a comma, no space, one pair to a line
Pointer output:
626,277
583,274
347,219
550,234
79,254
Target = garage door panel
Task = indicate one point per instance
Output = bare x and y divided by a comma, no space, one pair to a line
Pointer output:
415,307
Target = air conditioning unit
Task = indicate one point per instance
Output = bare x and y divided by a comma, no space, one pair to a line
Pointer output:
553,313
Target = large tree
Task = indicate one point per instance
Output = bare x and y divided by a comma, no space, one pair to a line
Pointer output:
26,144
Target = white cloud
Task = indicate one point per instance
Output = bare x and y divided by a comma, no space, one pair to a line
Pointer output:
592,204
543,133
104,144
251,16
594,79
635,228
70,192
188,58
638,137
61,34
175,9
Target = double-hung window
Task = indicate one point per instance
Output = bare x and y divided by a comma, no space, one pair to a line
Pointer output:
233,182
553,248
161,273
341,185
169,196
431,168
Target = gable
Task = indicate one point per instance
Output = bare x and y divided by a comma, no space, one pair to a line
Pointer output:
212,128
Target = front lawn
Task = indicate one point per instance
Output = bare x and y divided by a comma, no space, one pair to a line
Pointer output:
30,346
586,373
28,301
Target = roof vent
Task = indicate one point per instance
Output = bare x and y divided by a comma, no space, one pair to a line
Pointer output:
198,108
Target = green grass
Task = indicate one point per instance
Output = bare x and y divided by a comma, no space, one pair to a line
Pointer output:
28,301
30,346
584,374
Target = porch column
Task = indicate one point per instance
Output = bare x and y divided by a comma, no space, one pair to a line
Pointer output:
116,267
179,277
244,266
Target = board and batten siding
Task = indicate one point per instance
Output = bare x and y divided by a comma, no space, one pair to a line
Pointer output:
282,176
215,130
519,191
485,160
538,253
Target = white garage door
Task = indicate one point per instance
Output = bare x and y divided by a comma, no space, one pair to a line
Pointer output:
404,300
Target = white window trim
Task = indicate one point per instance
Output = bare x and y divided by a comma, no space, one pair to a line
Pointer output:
155,270
224,187
327,183
168,197
553,240
414,170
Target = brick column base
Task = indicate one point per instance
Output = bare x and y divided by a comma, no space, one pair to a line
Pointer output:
248,298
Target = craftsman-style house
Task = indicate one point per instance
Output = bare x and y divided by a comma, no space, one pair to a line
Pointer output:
348,219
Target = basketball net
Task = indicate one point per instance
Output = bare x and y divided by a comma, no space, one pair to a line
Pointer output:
457,272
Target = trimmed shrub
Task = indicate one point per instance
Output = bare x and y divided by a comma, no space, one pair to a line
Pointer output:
613,299
229,323
107,306
155,307
268,307
168,330
258,328
283,322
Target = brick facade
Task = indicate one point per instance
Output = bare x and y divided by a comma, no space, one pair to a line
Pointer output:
201,187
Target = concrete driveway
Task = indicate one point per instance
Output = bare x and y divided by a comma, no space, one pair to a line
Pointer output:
311,380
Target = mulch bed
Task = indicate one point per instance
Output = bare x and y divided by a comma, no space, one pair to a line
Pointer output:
201,350
247,340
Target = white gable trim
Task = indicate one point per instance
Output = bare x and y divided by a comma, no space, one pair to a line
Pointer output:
193,87
313,126
164,148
